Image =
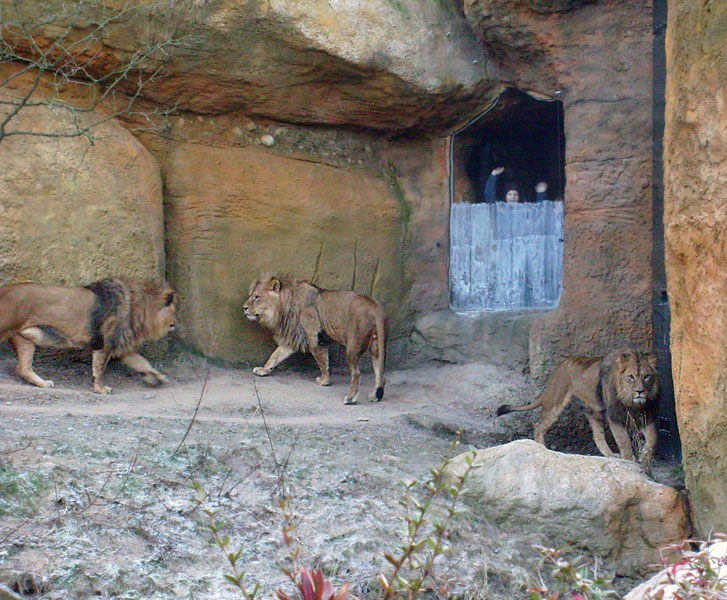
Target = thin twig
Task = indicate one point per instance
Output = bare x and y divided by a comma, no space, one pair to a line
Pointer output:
196,409
13,450
279,471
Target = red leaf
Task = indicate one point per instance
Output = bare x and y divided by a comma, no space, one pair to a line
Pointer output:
306,585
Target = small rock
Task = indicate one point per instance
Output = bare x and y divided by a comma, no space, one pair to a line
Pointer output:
267,140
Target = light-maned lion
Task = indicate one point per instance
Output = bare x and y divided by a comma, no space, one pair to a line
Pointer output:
304,317
113,316
623,385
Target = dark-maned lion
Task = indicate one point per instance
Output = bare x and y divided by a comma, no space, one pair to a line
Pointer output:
304,317
114,316
620,386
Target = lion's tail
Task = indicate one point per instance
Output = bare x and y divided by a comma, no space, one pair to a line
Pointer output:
380,320
556,388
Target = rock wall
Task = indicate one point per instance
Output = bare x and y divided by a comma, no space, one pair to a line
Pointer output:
72,212
595,57
356,162
695,217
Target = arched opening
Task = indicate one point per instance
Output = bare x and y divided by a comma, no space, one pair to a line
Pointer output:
506,248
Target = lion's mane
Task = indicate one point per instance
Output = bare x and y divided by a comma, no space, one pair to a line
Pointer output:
126,312
294,297
616,389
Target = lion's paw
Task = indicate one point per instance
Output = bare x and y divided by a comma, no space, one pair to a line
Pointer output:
154,379
323,380
261,371
351,401
102,389
46,383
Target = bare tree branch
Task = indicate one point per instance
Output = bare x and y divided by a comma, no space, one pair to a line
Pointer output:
52,47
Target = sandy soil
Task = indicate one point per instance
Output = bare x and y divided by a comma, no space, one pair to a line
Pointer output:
95,496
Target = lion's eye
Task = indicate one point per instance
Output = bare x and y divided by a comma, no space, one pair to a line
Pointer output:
631,377
647,377
256,298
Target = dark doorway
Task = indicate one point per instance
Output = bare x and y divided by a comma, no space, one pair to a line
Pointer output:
520,133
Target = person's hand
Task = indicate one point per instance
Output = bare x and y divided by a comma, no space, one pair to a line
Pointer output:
540,187
498,170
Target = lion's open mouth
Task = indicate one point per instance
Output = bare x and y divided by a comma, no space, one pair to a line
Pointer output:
251,316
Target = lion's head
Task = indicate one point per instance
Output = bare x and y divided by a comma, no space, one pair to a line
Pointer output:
153,309
265,302
635,378
276,302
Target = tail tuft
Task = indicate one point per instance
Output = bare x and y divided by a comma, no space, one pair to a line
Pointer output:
504,409
379,393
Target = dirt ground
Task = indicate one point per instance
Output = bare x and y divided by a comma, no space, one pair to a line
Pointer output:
96,497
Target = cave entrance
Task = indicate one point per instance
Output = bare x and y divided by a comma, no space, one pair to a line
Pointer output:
508,255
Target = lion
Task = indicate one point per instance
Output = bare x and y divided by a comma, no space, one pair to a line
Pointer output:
624,385
113,316
304,317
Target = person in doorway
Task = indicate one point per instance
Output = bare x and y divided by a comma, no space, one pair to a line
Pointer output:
512,191
541,191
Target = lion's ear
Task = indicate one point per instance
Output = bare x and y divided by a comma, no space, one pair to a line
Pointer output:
274,285
623,359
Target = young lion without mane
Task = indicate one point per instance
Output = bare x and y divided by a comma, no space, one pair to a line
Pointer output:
622,386
114,316
303,317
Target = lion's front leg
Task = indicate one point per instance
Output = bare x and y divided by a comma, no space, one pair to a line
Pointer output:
99,359
321,355
138,363
646,456
278,356
623,439
599,433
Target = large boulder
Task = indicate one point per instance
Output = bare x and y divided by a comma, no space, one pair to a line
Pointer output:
695,218
73,210
604,506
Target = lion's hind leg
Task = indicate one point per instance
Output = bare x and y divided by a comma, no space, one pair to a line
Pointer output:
24,350
138,363
549,416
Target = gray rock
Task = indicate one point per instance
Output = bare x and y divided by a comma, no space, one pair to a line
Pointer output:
604,506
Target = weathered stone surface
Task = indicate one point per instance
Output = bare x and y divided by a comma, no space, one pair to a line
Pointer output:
338,228
423,68
695,217
605,506
72,212
371,63
498,338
